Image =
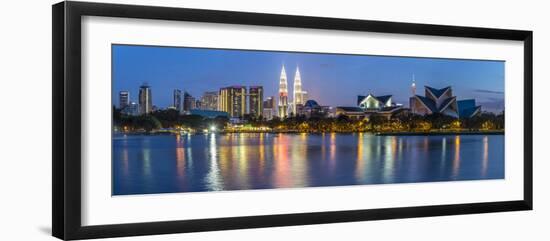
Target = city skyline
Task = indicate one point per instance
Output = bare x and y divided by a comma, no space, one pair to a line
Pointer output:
330,79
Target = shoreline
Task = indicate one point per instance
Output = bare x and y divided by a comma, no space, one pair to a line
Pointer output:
397,133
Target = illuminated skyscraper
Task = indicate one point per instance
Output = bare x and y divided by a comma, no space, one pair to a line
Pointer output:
255,100
297,97
233,101
209,100
145,99
124,99
283,95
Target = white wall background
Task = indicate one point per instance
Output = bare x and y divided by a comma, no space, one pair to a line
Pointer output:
25,122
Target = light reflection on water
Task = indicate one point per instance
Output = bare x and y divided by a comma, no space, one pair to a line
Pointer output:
212,162
456,160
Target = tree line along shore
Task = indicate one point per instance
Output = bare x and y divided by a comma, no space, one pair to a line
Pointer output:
410,124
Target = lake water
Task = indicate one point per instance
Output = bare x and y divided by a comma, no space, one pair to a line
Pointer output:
210,162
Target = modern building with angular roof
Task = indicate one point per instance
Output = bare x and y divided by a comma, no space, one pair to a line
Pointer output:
374,103
368,105
443,102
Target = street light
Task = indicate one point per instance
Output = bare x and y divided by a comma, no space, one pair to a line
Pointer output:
213,128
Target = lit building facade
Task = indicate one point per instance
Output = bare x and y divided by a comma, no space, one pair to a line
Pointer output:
233,101
255,101
209,100
378,105
123,99
374,103
145,99
297,97
283,95
371,105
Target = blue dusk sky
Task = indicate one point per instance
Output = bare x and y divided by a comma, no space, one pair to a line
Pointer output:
330,79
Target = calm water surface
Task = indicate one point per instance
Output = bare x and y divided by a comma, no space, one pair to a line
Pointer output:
209,162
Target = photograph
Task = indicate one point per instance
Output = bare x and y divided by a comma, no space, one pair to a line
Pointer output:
189,119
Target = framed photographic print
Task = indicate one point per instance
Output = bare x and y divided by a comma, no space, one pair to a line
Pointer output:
170,120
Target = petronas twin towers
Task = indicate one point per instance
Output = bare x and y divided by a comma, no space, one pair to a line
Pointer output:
298,96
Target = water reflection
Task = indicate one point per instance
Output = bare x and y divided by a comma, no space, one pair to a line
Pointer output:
360,160
125,157
443,155
389,158
180,157
485,162
250,161
282,165
456,160
332,148
261,146
146,157
189,154
213,179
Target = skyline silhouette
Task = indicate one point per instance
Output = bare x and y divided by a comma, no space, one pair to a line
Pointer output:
330,79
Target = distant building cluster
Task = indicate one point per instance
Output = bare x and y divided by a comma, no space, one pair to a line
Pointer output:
238,101
233,101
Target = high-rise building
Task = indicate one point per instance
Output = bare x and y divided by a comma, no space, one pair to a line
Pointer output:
188,102
233,101
145,99
209,100
283,95
123,99
297,97
269,102
177,101
255,101
269,108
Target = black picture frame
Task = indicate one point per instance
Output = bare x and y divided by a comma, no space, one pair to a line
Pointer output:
66,158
